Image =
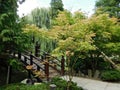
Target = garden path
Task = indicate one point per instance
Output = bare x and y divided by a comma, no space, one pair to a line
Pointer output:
89,84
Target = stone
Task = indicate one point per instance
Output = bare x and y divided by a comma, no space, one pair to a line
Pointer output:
53,87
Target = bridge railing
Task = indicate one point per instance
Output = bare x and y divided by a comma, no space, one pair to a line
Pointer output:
46,59
54,62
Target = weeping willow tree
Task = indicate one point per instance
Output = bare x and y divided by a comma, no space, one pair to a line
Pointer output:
41,36
40,17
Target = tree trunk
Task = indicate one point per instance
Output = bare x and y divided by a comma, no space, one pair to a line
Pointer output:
109,60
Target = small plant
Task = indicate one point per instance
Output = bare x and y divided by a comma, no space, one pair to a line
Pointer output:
111,75
62,84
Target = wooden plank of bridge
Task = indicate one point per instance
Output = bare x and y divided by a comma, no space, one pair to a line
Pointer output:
37,49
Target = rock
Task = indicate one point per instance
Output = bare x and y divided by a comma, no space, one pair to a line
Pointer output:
24,81
27,81
53,87
37,83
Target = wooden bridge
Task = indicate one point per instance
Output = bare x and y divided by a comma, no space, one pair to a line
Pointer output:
43,67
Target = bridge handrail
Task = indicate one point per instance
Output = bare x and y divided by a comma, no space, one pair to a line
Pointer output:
46,54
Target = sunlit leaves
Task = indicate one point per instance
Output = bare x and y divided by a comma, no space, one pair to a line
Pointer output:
71,34
113,47
79,15
64,18
101,25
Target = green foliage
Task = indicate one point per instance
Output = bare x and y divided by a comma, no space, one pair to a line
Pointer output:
72,35
24,87
62,84
7,22
11,35
15,64
112,7
42,86
64,18
56,6
59,82
104,29
111,75
114,45
82,36
47,43
79,15
40,17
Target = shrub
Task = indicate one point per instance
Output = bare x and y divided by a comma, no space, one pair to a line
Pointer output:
111,75
59,82
62,84
24,87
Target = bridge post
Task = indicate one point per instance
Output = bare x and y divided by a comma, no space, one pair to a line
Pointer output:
29,74
19,55
25,60
37,49
62,66
47,69
31,59
38,68
14,54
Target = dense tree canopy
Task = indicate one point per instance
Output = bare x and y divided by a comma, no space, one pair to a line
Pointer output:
111,7
7,23
86,38
70,34
56,6
10,26
103,26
